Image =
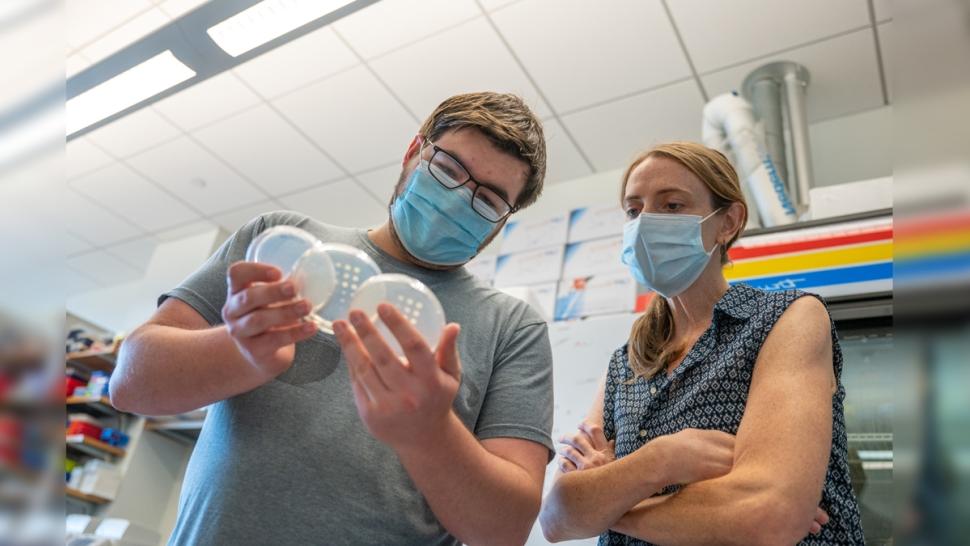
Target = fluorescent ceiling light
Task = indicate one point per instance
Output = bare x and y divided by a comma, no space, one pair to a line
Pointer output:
126,89
267,20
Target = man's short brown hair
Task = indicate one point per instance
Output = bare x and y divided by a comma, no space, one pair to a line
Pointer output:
507,121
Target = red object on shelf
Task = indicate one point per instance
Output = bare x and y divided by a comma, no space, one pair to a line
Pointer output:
87,429
72,383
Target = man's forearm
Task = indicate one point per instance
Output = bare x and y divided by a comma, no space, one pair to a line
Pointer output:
584,503
478,496
164,370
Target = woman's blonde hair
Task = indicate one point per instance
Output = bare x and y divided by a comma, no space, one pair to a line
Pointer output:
649,348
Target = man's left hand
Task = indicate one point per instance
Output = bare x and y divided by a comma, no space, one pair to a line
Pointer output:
403,402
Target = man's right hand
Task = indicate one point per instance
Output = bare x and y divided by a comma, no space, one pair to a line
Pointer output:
694,455
263,316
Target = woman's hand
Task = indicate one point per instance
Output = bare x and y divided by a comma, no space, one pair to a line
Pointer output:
586,448
694,455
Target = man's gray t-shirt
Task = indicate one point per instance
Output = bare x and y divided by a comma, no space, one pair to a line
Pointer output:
290,462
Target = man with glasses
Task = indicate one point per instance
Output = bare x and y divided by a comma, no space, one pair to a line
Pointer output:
333,439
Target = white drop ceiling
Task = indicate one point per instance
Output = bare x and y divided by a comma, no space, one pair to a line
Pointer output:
320,124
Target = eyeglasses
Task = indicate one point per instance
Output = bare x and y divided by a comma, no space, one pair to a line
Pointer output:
450,173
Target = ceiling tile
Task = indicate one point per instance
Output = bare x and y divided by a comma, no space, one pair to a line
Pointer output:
103,268
74,64
297,63
195,175
94,222
342,203
335,111
492,5
381,181
611,134
390,24
216,98
135,253
137,28
134,133
234,220
718,34
188,230
470,57
886,46
884,10
90,20
178,8
84,157
844,75
267,149
74,282
563,160
588,52
132,197
72,244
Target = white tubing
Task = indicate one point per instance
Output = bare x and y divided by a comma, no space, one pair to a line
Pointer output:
730,126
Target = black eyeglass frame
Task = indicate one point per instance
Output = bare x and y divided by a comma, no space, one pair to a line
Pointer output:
478,185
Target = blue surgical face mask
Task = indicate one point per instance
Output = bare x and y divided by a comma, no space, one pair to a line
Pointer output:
665,252
435,224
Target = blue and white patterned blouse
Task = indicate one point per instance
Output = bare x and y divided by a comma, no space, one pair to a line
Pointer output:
709,390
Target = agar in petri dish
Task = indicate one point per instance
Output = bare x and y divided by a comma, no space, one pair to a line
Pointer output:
281,246
411,297
352,268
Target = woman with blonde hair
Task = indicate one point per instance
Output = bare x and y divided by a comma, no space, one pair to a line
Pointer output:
721,420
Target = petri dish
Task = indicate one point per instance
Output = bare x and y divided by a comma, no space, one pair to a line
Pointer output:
352,268
411,297
281,246
315,277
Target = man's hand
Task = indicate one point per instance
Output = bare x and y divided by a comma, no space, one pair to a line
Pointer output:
586,448
263,317
403,402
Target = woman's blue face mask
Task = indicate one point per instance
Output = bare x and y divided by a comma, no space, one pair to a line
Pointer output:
665,252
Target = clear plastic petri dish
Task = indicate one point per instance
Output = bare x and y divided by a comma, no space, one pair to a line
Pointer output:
315,277
281,246
352,268
411,297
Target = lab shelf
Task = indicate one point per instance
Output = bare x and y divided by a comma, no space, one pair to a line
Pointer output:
93,499
94,448
98,406
93,361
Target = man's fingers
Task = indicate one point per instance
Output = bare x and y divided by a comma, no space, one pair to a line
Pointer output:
412,342
256,296
446,355
387,364
243,274
271,341
358,358
263,320
816,528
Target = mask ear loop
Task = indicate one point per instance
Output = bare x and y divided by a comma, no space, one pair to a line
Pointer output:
704,219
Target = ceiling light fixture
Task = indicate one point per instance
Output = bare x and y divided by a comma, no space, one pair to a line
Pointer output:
268,20
132,86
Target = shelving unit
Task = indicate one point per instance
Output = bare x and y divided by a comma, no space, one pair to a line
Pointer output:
92,361
94,448
97,406
77,495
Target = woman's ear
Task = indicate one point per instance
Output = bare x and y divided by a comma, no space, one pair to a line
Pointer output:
734,220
